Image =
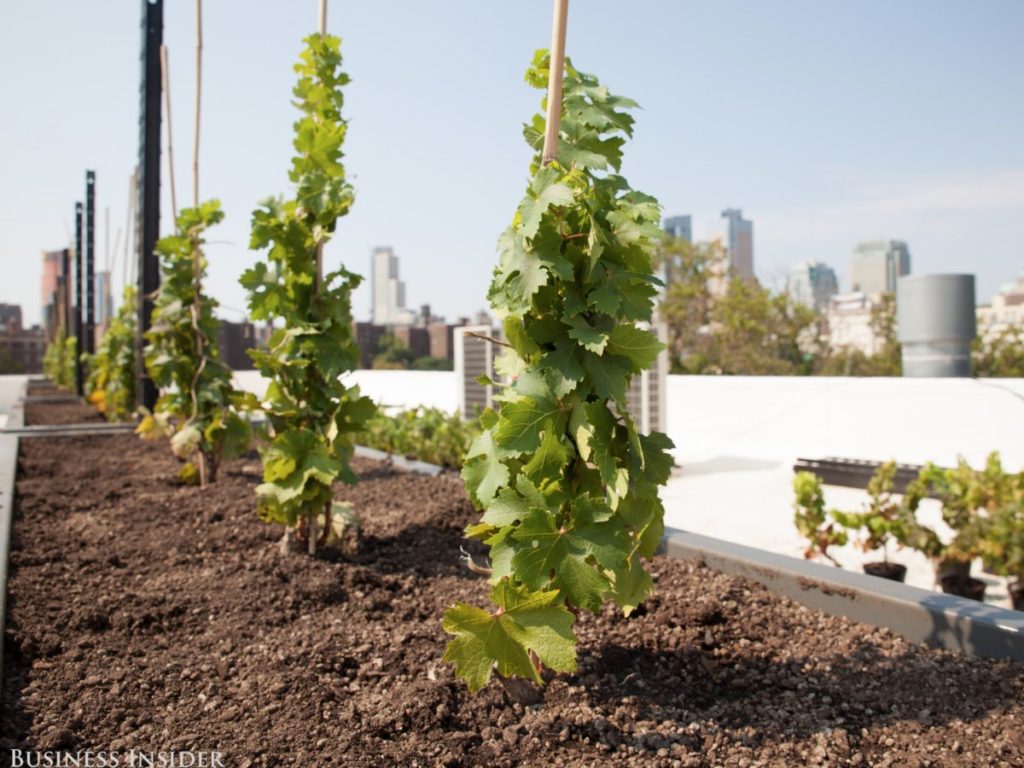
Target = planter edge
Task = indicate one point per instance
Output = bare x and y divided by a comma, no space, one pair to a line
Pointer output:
931,618
8,477
410,465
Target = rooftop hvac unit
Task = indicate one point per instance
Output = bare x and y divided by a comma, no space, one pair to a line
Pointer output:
474,357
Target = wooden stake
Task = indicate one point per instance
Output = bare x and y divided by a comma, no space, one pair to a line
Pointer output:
199,81
555,78
133,191
320,243
166,77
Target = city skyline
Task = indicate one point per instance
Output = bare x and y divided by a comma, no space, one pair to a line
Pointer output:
798,143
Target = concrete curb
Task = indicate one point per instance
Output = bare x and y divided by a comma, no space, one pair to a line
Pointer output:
932,618
70,430
410,465
8,477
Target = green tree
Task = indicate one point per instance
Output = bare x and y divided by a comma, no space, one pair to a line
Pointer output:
429,363
1000,354
743,330
392,354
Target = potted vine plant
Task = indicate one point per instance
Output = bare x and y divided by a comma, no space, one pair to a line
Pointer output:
811,519
885,520
1002,546
969,499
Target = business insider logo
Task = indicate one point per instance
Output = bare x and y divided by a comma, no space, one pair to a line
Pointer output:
132,758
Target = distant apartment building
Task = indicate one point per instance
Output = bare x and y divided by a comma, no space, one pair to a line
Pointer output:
876,265
233,342
52,264
23,347
736,235
849,322
812,284
1005,311
388,290
679,228
10,317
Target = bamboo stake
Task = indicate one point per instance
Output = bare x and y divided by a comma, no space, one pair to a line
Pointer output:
129,229
166,77
197,256
199,78
555,77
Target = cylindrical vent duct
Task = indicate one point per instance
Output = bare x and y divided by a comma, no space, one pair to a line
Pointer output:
935,321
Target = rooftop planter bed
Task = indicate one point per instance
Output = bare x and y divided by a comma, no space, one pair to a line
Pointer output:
132,625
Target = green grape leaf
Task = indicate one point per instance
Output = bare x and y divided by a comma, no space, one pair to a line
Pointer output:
521,423
608,374
590,338
483,470
546,553
525,624
550,458
639,346
545,191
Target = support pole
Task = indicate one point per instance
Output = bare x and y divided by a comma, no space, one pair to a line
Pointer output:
199,91
165,79
555,77
65,271
90,263
148,206
79,292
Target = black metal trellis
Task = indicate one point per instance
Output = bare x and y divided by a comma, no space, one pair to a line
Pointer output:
148,189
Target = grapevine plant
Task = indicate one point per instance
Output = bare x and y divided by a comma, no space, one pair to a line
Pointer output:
568,485
59,360
197,404
313,414
111,384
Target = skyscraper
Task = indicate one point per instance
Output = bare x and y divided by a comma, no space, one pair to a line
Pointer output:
679,227
737,237
812,284
877,264
388,290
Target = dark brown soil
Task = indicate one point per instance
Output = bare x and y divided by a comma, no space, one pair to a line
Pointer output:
57,413
132,625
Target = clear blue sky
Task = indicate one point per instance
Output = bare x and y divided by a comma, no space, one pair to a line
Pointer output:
826,123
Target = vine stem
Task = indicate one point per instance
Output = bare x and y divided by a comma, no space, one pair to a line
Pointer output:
555,76
488,338
165,75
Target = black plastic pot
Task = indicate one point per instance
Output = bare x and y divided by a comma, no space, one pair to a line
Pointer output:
890,571
944,568
1016,590
963,586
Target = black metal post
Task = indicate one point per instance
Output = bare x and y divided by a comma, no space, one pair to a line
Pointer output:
65,297
90,262
148,216
79,290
